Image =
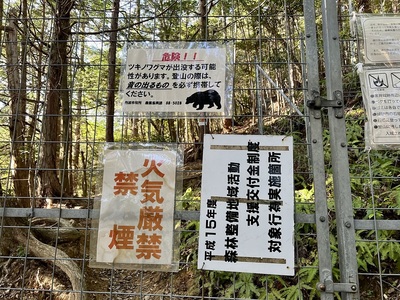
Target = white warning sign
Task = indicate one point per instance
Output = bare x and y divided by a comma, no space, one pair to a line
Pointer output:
381,35
381,94
247,206
136,224
177,79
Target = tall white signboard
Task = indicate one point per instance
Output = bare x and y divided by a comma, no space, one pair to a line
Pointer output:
247,204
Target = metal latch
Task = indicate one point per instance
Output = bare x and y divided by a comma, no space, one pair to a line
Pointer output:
317,102
330,287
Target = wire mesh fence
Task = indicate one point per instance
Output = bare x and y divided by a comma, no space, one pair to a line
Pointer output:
59,105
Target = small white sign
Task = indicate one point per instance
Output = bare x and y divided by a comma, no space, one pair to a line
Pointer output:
177,80
137,207
381,36
381,96
247,204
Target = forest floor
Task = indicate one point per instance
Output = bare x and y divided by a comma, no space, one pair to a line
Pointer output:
24,277
29,278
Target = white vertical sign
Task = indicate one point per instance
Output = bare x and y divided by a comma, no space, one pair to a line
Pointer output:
137,207
381,96
247,204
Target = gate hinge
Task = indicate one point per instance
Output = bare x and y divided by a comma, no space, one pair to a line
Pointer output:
317,103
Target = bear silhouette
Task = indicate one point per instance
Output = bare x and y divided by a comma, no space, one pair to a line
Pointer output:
209,97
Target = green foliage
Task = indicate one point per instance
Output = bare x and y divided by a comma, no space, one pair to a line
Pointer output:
21,251
375,196
190,200
365,256
374,252
189,229
243,287
189,241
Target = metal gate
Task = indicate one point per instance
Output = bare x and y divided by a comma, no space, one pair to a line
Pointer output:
294,75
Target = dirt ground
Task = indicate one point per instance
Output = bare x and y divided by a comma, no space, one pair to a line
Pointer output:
35,279
25,277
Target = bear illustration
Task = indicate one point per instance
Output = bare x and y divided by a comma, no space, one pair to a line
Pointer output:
209,97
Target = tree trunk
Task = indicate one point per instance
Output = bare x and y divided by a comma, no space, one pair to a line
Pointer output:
34,183
203,19
57,72
77,134
202,121
85,191
136,121
172,129
18,113
78,119
66,134
112,54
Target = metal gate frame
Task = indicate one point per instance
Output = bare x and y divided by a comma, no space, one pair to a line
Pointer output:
340,164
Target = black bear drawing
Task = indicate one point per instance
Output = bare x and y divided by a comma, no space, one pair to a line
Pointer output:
209,97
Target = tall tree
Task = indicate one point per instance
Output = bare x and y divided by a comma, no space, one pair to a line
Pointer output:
112,57
78,119
18,113
203,123
135,121
58,64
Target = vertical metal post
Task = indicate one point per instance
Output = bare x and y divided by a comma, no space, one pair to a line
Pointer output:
325,284
340,163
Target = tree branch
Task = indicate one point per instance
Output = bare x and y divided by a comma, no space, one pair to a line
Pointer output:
127,26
